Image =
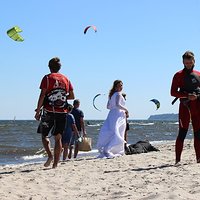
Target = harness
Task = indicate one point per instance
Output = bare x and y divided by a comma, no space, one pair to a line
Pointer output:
57,96
191,85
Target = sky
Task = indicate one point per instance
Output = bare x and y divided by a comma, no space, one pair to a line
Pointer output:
138,42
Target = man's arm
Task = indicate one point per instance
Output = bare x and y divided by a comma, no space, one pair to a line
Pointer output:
83,126
175,89
40,104
74,128
71,96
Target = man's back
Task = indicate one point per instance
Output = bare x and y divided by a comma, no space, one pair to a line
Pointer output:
69,122
78,114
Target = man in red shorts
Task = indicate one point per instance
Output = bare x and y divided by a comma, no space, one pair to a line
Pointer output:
186,87
56,89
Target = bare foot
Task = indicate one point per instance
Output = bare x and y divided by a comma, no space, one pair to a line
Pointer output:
48,162
54,166
177,163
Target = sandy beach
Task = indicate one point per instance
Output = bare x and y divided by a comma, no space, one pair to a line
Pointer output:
141,176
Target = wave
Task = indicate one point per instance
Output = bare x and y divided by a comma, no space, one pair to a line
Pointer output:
141,123
174,123
94,125
34,157
42,157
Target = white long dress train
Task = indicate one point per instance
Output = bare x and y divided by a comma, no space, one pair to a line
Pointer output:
111,137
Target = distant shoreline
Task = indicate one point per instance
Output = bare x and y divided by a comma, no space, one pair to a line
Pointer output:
164,117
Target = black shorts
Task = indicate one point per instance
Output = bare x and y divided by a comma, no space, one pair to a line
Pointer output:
52,123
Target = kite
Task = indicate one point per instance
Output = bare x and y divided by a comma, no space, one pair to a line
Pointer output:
94,27
13,33
94,101
156,102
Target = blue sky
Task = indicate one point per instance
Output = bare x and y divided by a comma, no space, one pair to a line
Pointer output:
139,42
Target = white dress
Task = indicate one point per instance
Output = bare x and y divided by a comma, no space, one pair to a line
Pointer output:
111,137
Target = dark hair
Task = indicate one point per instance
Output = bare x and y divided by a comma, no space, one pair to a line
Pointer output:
188,55
69,107
54,64
113,89
76,102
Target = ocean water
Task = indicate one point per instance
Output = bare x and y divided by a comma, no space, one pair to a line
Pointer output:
20,144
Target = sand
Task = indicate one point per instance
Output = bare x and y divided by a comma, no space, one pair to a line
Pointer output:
143,176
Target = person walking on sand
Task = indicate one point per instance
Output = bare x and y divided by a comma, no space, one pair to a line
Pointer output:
56,89
80,124
186,86
111,136
70,135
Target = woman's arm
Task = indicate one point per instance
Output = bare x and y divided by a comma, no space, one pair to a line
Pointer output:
118,104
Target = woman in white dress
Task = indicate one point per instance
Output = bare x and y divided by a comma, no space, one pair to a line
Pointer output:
111,137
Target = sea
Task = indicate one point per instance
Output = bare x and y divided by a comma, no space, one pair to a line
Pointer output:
20,143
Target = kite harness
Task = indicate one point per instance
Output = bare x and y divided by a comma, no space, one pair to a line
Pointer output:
57,98
191,85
